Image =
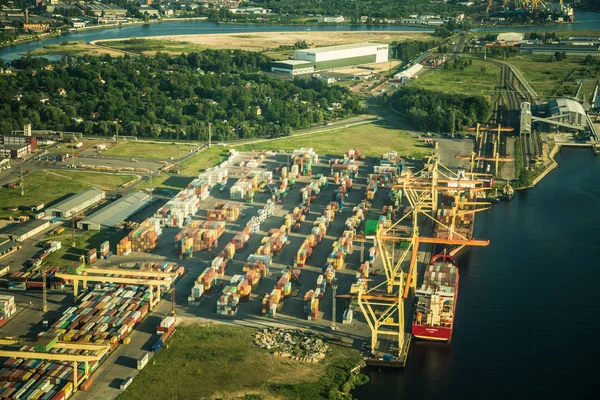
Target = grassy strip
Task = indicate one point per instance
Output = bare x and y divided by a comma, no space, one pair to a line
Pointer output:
49,186
220,362
157,151
371,139
84,241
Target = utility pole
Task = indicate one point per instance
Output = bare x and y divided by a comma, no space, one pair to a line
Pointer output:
117,131
22,182
44,294
73,230
334,286
209,134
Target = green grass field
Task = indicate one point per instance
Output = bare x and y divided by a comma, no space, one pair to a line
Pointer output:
371,139
157,151
472,80
84,241
48,186
555,78
203,160
221,362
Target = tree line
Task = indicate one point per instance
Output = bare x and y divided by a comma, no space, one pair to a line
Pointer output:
167,97
409,49
441,112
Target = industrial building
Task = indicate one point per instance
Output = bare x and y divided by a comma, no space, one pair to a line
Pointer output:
27,229
409,73
17,146
324,58
567,110
116,212
74,204
8,246
551,48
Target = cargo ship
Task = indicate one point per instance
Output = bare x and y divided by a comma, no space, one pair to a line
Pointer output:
436,300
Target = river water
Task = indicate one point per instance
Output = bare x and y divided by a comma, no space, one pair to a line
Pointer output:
526,319
585,20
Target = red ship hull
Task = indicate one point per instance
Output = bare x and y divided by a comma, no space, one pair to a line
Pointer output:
431,333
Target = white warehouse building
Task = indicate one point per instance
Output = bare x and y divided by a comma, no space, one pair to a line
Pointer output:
324,58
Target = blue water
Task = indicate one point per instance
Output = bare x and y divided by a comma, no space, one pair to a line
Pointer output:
585,20
526,321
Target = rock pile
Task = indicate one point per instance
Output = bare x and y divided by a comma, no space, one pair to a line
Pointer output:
293,343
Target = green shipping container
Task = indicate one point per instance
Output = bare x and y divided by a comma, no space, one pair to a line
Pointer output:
371,226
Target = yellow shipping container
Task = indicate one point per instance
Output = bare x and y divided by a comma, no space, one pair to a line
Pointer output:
127,340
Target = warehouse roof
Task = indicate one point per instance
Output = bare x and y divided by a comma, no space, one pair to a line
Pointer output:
7,245
76,199
343,47
509,36
293,62
560,46
25,227
558,106
119,210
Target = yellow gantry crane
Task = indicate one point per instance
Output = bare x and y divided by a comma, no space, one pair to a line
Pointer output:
384,309
476,156
114,275
99,351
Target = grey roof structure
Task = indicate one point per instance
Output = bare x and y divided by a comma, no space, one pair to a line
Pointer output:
25,227
342,47
119,210
76,200
562,105
7,245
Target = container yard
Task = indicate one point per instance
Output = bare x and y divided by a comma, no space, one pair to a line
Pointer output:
266,239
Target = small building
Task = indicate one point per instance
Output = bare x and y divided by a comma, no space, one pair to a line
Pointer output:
568,49
27,229
332,20
8,246
116,212
152,12
4,163
409,73
78,23
293,67
36,27
76,203
250,10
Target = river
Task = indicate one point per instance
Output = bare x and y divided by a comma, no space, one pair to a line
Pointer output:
585,20
526,324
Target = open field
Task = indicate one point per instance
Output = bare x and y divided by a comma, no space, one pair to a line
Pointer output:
371,139
203,160
84,241
75,49
472,80
201,361
555,78
262,41
159,151
49,186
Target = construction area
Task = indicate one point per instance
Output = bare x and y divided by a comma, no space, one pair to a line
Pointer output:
331,243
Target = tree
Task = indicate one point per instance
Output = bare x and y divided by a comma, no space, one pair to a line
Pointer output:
483,69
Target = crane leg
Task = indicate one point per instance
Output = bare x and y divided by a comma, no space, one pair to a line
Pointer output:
75,376
75,288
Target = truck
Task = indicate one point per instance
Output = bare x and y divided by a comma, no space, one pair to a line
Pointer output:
142,361
37,207
126,382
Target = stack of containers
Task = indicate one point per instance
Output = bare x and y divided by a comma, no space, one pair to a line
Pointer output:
124,247
243,189
144,237
244,287
240,240
346,168
7,307
229,301
348,315
354,154
104,249
229,251
311,305
91,256
216,175
208,279
276,240
219,264
105,315
253,276
196,294
272,304
371,189
200,187
224,212
267,177
167,324
257,270
177,210
304,158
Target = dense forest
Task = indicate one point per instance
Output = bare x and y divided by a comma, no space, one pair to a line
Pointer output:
353,10
165,96
434,111
408,49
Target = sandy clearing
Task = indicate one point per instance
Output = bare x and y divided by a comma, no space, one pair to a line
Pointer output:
262,41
